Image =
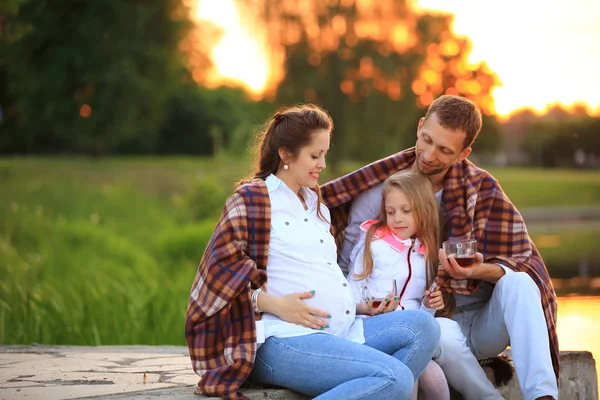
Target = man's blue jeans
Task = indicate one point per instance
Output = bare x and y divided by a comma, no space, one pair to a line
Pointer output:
398,347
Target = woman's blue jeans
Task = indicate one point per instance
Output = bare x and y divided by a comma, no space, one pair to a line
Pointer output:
398,347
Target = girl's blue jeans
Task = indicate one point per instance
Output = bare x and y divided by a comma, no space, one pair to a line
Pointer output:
398,347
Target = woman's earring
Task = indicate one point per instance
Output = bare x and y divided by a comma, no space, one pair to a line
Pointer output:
286,167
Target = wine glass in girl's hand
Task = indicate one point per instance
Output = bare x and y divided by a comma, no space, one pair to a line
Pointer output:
382,290
463,251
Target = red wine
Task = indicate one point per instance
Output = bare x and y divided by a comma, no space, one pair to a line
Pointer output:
465,261
377,303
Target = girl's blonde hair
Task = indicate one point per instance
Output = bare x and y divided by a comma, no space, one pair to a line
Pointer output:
419,192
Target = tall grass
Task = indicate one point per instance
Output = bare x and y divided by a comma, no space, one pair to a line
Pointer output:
95,255
105,251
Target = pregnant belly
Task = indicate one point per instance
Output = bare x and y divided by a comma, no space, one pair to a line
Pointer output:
331,296
336,303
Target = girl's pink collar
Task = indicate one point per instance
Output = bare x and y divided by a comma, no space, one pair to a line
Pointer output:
385,234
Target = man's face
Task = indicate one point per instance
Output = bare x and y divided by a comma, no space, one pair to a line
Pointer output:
437,147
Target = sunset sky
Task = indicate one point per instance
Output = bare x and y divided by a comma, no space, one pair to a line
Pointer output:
544,52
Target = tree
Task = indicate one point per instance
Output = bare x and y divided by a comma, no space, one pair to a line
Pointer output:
86,75
206,122
8,34
490,138
375,65
553,139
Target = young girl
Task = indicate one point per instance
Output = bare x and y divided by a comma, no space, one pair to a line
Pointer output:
395,261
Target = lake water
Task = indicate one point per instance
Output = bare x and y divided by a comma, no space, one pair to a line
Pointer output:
579,325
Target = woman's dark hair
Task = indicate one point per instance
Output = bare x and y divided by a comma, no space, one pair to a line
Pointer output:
290,129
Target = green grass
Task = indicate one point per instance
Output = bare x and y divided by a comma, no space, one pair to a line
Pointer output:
104,251
529,187
565,253
97,252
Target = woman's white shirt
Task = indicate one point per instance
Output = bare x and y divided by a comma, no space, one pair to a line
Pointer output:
303,257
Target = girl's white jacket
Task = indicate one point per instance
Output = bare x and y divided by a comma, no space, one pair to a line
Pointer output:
393,258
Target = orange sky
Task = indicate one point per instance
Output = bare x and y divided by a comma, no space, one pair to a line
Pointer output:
544,51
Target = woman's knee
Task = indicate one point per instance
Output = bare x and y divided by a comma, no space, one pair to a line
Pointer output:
427,327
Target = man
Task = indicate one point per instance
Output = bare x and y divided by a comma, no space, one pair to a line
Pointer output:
504,299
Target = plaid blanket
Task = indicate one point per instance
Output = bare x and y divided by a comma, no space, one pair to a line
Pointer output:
220,325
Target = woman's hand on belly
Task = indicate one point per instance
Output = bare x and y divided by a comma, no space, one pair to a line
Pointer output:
292,308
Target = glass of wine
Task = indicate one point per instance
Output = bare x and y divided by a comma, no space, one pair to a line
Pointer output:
462,250
382,289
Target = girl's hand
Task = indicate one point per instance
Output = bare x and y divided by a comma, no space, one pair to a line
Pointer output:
390,303
434,300
292,308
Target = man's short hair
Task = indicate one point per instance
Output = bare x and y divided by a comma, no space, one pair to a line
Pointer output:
457,113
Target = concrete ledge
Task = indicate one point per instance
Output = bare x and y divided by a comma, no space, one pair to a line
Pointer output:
578,378
152,372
